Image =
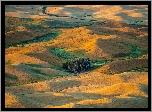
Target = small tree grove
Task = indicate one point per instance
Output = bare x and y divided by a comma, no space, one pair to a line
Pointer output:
78,65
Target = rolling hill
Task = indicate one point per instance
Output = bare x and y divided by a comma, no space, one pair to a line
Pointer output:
36,49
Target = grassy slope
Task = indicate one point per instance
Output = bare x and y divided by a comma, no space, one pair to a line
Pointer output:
84,42
41,61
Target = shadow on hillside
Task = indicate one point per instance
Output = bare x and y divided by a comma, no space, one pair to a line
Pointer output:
144,88
126,45
112,44
136,9
48,57
134,65
106,28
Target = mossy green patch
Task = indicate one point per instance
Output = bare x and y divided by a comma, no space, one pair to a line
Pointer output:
64,24
143,69
34,27
62,53
11,77
37,71
135,52
39,74
98,63
35,65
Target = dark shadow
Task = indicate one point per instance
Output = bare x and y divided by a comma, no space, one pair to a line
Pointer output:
132,102
144,88
112,46
10,80
126,45
105,28
49,57
126,65
43,38
134,8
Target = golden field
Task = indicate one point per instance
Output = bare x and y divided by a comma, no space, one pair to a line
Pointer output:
34,77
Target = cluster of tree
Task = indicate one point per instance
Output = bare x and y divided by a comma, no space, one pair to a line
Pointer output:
78,65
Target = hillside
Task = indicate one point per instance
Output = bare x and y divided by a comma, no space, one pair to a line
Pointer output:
37,48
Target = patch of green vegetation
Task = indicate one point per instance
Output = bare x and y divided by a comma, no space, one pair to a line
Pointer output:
12,77
143,69
67,56
43,38
50,66
64,24
59,68
63,54
44,76
35,78
37,71
34,27
98,63
135,52
121,55
144,52
35,65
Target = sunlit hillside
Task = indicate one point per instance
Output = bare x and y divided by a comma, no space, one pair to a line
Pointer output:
36,49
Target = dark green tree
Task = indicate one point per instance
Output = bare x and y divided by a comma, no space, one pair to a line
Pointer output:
78,65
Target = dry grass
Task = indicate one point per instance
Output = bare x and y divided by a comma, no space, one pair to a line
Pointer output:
104,89
19,74
90,101
97,88
38,87
119,89
56,10
12,102
17,58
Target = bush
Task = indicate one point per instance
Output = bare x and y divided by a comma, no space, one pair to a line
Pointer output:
78,65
